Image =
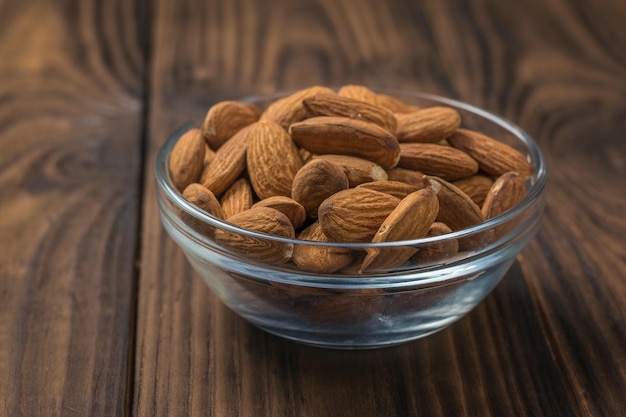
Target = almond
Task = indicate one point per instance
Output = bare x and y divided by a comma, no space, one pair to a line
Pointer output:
429,125
358,92
262,220
290,109
355,214
493,157
226,118
336,105
288,206
476,187
237,198
209,154
395,188
440,161
187,159
227,164
393,104
202,197
408,176
272,160
457,210
438,251
358,170
411,219
505,193
319,259
345,136
315,182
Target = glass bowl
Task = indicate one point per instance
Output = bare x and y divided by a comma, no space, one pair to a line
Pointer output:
347,309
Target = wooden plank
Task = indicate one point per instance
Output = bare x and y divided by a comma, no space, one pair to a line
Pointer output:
71,78
570,94
511,355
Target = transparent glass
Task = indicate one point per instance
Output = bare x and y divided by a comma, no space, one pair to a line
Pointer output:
346,309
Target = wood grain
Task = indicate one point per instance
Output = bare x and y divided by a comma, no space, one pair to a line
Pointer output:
71,78
571,96
556,68
100,313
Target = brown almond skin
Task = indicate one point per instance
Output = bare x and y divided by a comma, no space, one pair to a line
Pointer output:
202,197
405,175
395,188
494,157
187,159
440,161
290,109
227,164
358,92
272,160
358,170
505,193
438,251
457,210
355,214
209,154
288,206
226,118
319,259
237,198
336,105
393,104
263,220
476,187
315,182
429,125
411,219
345,136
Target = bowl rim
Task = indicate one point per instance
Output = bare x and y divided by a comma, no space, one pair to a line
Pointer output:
535,191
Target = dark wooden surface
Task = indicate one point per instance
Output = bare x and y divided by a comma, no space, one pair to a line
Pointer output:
100,314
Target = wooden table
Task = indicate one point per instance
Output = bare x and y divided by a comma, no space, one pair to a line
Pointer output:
100,314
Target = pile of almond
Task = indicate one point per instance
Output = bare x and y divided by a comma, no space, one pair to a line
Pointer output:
350,165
